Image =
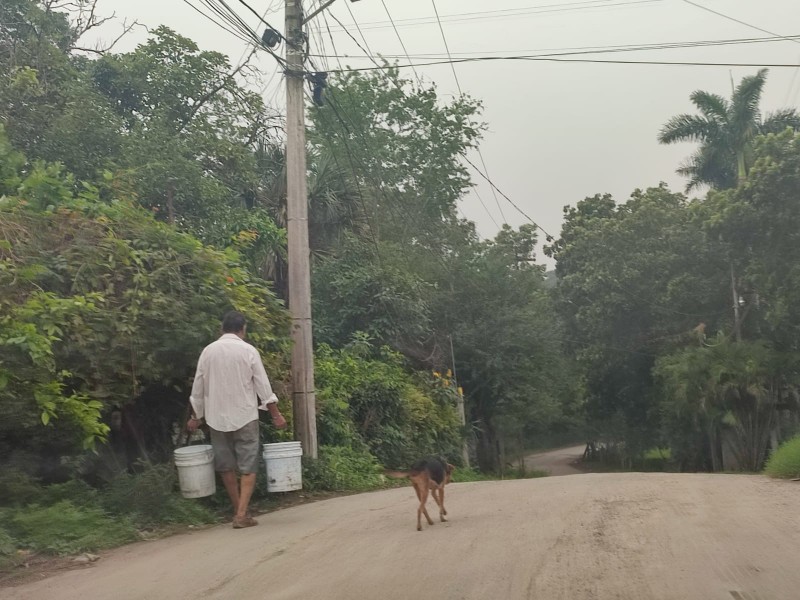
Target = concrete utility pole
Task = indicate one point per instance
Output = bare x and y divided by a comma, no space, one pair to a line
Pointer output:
462,415
304,405
303,393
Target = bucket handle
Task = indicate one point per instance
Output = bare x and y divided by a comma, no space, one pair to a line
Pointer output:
185,435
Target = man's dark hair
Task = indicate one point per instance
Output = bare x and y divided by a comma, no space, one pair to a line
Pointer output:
233,322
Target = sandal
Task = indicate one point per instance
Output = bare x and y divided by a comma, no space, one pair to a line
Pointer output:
242,522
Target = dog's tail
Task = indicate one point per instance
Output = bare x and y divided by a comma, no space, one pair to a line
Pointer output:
396,474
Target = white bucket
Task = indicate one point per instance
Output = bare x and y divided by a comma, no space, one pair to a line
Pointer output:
196,471
284,466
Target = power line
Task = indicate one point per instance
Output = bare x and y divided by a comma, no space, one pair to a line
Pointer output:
481,173
583,50
757,28
232,23
247,39
739,21
446,47
510,201
382,69
577,61
333,104
458,85
486,208
510,13
400,39
261,18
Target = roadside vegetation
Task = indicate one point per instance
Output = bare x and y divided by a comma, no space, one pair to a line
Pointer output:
784,463
142,195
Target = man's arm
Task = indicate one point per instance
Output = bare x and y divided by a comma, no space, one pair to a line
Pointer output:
198,396
269,401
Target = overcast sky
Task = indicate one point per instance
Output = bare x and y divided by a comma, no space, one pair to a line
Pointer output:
557,132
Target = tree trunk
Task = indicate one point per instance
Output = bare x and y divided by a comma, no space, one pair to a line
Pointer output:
742,166
715,447
488,450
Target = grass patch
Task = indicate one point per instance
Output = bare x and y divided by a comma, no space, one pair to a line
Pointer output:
658,454
342,469
149,499
73,517
654,460
64,528
462,475
785,461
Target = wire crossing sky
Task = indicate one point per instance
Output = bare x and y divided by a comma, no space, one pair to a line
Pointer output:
574,92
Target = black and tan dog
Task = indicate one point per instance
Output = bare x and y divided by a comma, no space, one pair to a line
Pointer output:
428,475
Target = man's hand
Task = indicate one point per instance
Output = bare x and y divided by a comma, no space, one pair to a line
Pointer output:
192,424
277,418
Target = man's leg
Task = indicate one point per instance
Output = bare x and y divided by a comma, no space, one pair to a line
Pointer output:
246,447
248,485
225,463
232,487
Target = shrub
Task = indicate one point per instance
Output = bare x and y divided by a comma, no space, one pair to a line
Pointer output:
77,492
80,272
149,498
342,469
462,475
17,488
785,461
64,528
377,402
8,544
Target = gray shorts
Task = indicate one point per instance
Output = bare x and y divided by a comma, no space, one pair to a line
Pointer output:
236,449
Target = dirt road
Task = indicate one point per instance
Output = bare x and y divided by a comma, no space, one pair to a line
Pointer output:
589,537
556,462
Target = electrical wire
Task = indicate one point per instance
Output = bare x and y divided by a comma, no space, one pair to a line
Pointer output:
510,201
458,85
757,28
584,50
739,21
262,18
217,23
235,24
339,112
576,61
510,13
383,71
446,46
399,38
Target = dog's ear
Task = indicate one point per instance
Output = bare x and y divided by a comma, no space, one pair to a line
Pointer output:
448,468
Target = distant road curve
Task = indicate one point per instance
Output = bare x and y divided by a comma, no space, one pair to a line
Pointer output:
556,462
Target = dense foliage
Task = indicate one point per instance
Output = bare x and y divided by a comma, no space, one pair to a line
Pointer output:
142,194
104,309
683,312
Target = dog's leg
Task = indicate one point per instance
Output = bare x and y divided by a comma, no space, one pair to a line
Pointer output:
424,506
422,509
442,510
418,490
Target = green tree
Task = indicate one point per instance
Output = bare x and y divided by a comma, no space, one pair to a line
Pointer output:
725,130
634,280
759,222
403,147
103,308
507,344
725,391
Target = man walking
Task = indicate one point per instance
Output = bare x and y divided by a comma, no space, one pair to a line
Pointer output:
230,379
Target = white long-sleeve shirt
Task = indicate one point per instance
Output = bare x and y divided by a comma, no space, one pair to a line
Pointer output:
229,380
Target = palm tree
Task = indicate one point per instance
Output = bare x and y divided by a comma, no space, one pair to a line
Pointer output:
335,204
725,130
